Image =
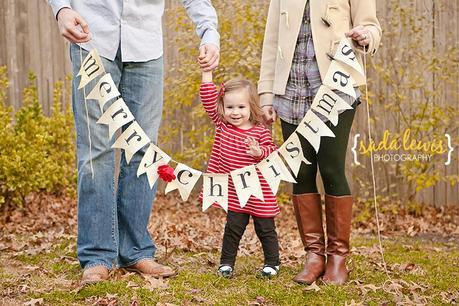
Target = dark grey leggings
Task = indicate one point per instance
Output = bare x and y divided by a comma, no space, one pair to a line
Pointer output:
235,228
330,158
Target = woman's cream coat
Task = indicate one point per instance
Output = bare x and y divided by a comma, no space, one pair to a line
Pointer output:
330,20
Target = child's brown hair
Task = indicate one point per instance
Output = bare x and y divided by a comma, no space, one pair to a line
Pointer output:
256,114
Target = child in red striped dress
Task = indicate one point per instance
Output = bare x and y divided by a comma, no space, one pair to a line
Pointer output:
241,140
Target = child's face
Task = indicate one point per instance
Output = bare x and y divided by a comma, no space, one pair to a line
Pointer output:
237,108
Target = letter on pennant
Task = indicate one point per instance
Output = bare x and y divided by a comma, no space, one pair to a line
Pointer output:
104,91
246,183
185,181
215,190
338,78
292,152
346,54
313,128
131,140
152,159
91,68
117,115
274,170
328,103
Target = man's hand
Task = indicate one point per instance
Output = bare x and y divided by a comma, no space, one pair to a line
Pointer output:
209,56
360,34
72,26
253,147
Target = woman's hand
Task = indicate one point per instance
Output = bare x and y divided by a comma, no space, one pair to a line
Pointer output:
72,26
254,148
360,34
269,114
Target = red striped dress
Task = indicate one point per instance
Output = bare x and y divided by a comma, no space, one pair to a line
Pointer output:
229,152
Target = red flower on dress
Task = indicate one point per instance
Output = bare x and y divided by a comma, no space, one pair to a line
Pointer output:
166,173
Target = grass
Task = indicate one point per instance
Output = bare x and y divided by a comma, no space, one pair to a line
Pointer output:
420,271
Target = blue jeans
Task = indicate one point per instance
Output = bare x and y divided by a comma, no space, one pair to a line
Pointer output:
112,220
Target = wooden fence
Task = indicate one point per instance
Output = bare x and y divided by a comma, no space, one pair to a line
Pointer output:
30,41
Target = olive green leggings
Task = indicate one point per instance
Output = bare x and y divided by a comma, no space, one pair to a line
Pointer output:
330,158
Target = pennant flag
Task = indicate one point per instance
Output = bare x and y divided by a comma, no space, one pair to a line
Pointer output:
104,91
131,140
246,183
153,158
117,115
185,181
346,54
215,190
274,170
91,68
292,152
312,128
338,78
328,103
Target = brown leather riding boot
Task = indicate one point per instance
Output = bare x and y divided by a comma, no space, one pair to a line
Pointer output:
338,212
308,212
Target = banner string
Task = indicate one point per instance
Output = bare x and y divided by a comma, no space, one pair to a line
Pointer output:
370,138
87,118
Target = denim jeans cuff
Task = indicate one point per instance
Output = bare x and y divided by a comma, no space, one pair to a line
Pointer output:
109,267
133,262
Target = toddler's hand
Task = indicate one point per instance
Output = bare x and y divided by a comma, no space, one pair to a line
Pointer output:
254,148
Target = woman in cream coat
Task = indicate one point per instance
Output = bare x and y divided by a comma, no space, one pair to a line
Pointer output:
300,37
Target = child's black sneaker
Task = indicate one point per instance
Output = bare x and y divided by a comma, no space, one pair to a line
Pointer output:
225,271
268,271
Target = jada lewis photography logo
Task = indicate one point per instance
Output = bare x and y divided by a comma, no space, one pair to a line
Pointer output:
403,147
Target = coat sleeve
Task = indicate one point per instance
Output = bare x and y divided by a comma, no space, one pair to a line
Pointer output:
363,12
269,52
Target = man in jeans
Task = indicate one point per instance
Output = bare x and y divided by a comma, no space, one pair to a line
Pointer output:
112,220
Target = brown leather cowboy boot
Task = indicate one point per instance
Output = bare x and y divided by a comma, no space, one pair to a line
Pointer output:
338,211
308,212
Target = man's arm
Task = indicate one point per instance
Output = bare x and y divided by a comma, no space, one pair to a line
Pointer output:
204,16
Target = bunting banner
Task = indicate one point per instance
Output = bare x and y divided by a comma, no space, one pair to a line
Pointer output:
313,128
151,160
186,179
274,170
246,183
214,190
328,104
292,152
116,116
278,166
104,91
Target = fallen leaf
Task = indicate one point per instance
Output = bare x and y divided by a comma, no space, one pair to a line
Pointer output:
312,287
33,302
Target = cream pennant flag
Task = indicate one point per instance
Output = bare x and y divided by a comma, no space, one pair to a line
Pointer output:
328,103
91,68
292,152
117,115
246,183
338,78
186,178
346,54
131,140
151,160
104,91
313,128
274,170
215,190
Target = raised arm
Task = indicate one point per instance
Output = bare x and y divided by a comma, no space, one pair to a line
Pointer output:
209,95
203,14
